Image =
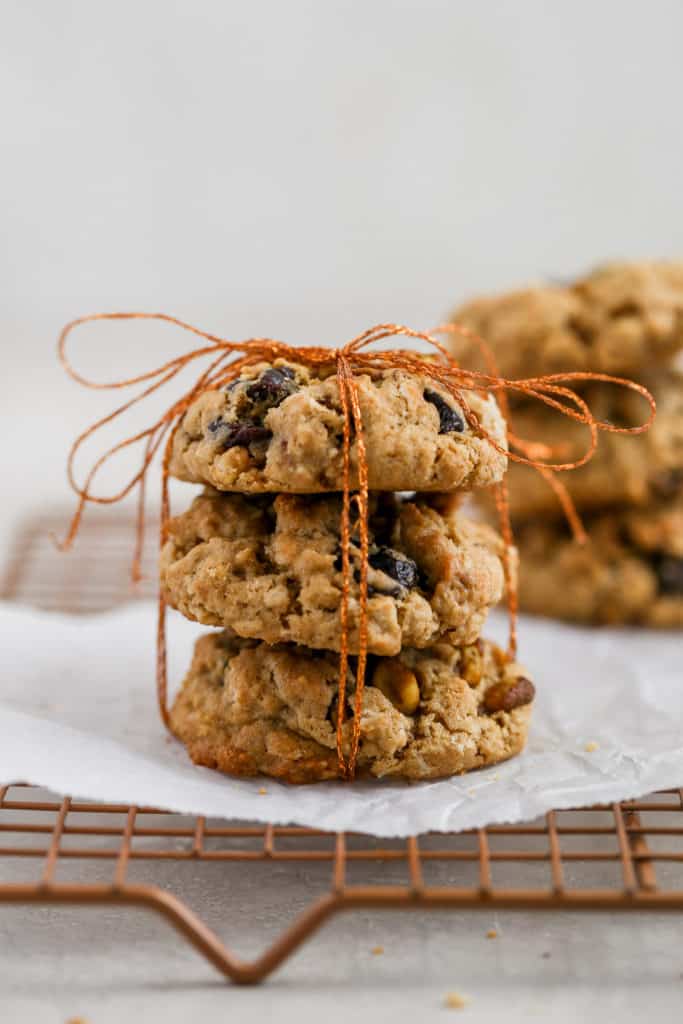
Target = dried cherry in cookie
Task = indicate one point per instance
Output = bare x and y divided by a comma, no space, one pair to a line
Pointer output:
450,421
272,387
396,566
250,405
232,435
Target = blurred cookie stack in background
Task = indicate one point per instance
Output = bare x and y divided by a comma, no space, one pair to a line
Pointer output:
259,555
623,320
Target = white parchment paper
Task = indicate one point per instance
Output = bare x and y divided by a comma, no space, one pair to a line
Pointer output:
78,715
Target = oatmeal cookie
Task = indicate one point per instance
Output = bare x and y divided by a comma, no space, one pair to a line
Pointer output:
279,428
271,569
631,571
632,469
619,319
246,708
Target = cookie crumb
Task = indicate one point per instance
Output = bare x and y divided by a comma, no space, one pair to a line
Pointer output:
377,950
262,791
77,1020
492,933
590,747
454,1001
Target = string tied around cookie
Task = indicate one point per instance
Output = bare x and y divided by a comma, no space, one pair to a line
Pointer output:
222,361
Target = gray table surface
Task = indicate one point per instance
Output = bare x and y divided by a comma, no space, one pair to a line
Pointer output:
111,965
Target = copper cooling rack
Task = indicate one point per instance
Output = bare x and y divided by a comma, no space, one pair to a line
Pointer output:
625,856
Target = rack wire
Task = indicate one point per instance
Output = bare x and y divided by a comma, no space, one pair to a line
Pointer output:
624,856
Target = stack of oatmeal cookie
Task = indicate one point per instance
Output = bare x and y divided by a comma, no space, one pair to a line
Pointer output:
258,555
624,320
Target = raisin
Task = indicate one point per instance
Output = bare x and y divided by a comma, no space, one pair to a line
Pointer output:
669,483
670,574
396,566
450,421
239,434
272,387
215,426
391,592
399,568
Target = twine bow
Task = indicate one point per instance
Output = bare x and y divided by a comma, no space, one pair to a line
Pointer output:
226,359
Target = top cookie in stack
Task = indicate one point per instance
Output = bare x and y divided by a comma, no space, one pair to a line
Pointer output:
259,555
623,319
279,429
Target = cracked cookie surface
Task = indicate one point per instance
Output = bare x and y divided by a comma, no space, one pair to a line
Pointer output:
246,708
620,319
631,571
278,428
270,568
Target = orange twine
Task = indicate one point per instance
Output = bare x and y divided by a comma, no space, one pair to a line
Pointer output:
350,359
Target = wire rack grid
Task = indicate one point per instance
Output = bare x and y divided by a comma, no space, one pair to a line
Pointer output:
624,856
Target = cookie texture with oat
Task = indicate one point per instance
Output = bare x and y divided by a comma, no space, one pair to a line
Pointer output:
631,571
620,319
271,569
634,469
246,708
279,428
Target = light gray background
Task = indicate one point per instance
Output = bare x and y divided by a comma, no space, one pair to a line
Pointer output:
304,170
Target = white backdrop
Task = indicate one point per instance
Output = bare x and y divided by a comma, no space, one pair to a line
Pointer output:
307,168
